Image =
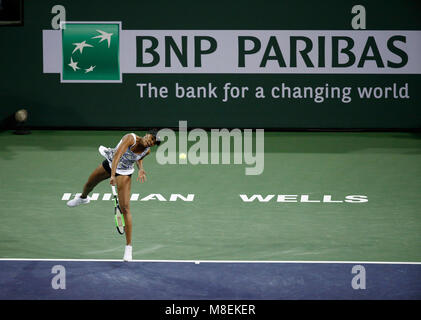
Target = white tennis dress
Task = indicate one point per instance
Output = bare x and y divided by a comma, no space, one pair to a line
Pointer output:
128,159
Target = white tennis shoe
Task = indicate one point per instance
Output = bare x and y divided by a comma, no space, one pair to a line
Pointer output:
78,201
128,253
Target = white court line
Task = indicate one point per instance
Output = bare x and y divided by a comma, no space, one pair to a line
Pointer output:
213,261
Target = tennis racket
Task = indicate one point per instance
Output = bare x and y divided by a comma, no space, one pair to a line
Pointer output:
118,217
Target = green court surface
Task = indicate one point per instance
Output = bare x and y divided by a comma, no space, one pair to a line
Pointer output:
38,169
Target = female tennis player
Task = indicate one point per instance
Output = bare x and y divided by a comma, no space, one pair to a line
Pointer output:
119,167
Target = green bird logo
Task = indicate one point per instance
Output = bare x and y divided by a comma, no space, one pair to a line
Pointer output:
91,52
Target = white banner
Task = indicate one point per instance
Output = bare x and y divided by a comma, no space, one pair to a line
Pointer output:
253,51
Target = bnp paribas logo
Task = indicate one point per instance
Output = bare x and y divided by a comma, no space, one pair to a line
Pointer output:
90,52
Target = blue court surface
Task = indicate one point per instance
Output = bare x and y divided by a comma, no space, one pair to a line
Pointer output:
207,280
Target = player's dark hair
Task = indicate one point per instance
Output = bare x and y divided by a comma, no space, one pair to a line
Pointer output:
154,133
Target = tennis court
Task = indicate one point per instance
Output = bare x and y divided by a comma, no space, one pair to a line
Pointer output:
323,204
270,248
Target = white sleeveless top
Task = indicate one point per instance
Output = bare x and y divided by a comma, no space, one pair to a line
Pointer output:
127,160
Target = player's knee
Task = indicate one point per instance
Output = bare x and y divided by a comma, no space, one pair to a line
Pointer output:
125,209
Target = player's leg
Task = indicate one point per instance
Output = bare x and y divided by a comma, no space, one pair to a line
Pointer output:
98,175
124,189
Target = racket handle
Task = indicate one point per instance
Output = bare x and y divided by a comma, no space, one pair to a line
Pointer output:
114,190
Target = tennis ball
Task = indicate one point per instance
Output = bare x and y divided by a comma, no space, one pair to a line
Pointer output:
21,115
183,156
